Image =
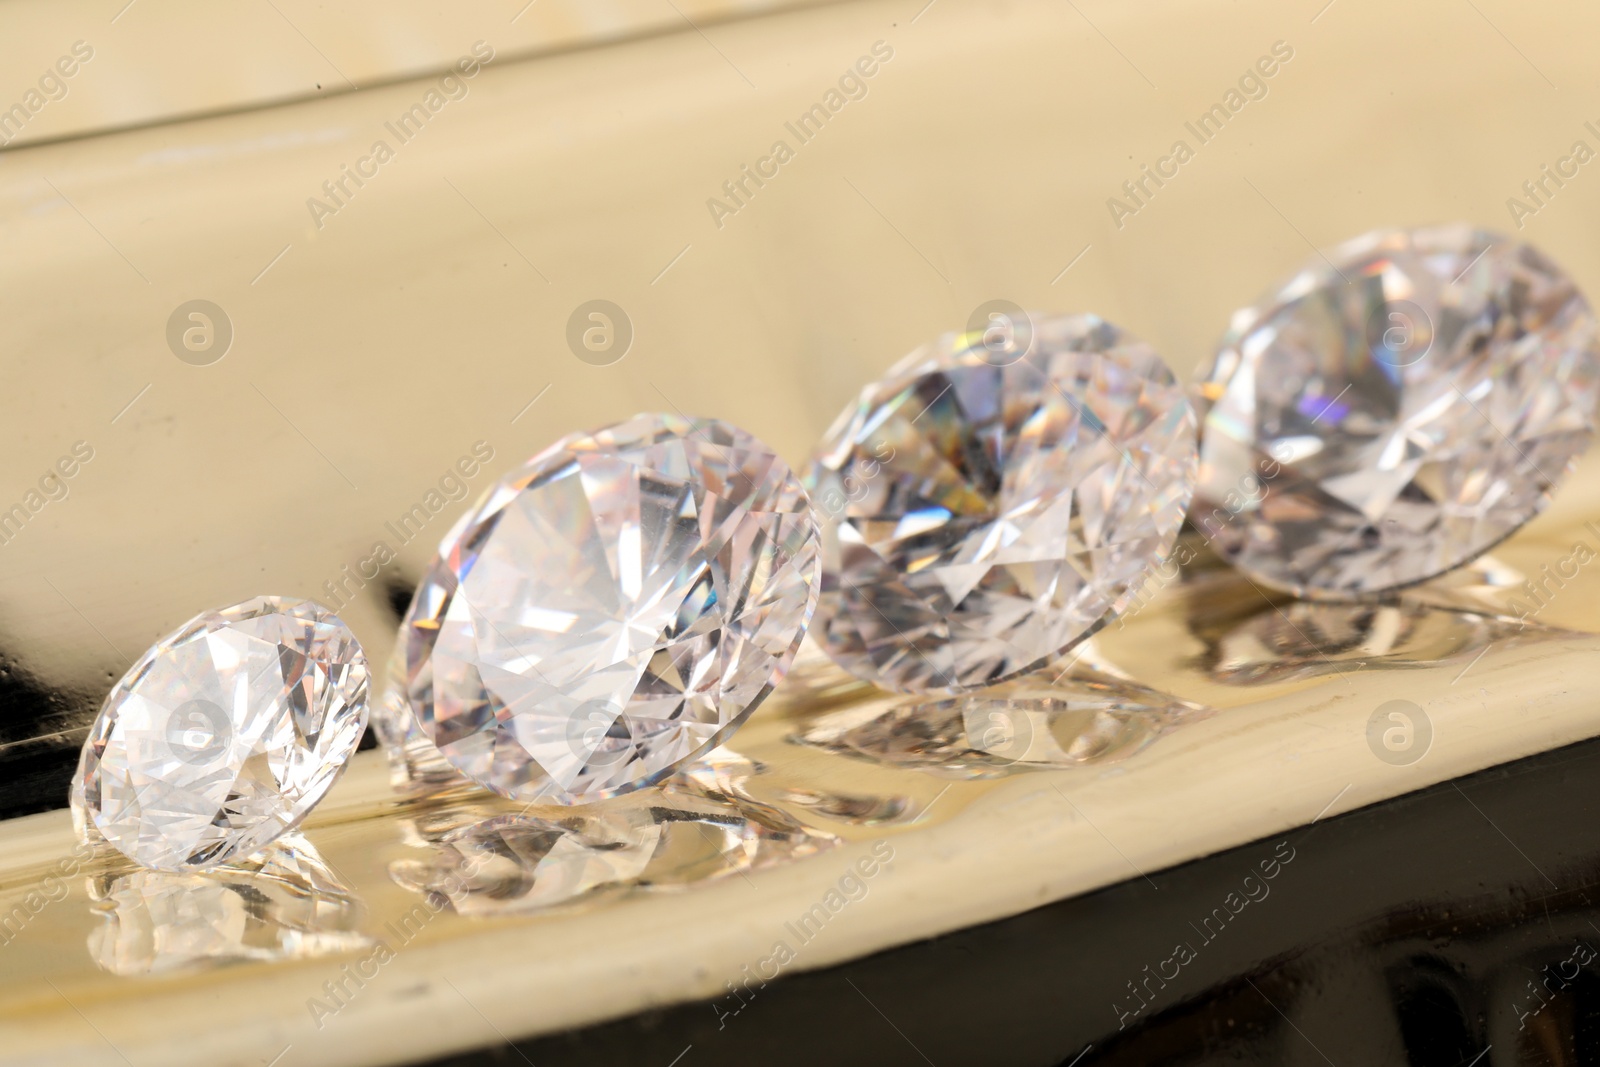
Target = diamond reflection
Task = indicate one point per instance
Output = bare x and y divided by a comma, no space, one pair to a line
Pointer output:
857,809
1251,641
724,775
282,903
1011,728
490,858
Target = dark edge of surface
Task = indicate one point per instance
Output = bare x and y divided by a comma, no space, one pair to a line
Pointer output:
1419,931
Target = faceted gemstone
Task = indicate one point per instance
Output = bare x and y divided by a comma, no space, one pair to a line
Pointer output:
614,608
1393,411
416,767
996,498
224,735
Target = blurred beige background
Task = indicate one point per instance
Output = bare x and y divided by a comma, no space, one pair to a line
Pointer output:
183,58
375,344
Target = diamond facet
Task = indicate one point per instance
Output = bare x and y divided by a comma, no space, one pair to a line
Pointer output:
985,510
1394,410
614,608
224,735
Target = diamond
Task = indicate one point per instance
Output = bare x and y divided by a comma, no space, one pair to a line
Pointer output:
989,509
224,735
1394,410
614,608
416,767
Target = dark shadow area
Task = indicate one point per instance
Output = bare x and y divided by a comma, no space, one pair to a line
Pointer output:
41,731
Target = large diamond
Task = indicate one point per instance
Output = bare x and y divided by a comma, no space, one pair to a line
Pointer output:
991,504
612,609
1394,410
224,735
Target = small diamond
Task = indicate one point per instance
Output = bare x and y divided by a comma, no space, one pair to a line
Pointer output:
224,735
1394,411
989,509
616,607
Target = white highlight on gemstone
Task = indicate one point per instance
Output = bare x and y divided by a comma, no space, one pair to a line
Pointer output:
224,735
986,510
611,610
1393,411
